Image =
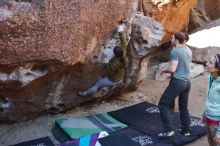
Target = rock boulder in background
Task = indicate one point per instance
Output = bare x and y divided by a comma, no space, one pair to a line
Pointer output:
146,36
204,11
197,18
172,14
209,7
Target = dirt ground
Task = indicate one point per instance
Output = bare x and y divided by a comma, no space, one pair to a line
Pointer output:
149,90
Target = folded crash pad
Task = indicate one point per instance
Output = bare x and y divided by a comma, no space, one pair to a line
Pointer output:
59,134
77,127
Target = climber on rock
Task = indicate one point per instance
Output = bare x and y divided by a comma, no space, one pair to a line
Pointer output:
115,68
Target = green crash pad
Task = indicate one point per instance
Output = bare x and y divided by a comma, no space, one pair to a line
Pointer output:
76,127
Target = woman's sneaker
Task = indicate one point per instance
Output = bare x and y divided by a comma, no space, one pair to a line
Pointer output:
185,133
166,134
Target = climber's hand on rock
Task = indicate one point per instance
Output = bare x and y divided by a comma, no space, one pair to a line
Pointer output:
121,27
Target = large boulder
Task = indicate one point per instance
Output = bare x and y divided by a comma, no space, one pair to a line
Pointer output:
203,12
52,93
197,18
57,90
172,14
146,36
210,8
65,30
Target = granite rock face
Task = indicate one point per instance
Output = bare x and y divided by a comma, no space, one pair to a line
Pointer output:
69,31
56,91
52,93
197,18
209,7
40,40
146,36
204,11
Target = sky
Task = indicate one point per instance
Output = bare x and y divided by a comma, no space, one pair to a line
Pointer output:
205,38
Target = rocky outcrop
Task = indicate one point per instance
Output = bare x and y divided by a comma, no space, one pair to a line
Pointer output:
52,93
172,14
57,90
68,31
210,8
203,12
197,18
146,36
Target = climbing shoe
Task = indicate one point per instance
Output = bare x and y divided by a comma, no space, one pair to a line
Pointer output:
166,134
82,93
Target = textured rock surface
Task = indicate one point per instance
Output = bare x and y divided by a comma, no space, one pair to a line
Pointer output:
64,30
203,12
172,14
197,18
52,93
209,7
146,35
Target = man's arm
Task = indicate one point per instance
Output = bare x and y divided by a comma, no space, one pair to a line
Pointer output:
173,62
171,68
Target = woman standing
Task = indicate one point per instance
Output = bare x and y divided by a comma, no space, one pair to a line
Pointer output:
212,110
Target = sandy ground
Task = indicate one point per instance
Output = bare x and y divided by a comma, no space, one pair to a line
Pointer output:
149,90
